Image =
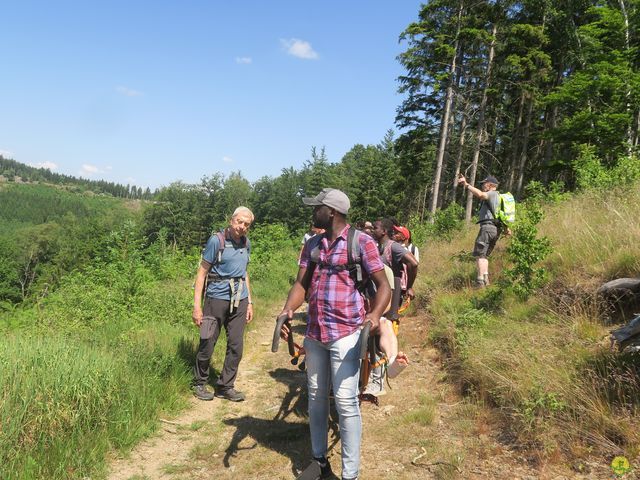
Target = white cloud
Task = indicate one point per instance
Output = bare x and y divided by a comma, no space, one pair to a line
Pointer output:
88,170
6,153
130,180
299,48
128,92
226,159
244,60
48,165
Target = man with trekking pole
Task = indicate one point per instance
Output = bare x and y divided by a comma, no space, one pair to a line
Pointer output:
336,315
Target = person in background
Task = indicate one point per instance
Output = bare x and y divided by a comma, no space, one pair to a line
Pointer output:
312,232
403,237
489,226
368,228
397,258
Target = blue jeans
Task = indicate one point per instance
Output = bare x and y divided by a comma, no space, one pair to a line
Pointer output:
339,362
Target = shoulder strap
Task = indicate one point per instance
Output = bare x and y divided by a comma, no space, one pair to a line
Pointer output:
353,245
495,217
314,255
222,239
354,260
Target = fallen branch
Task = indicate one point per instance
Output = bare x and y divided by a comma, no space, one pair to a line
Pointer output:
169,422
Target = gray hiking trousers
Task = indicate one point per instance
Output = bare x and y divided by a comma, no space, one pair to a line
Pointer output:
217,314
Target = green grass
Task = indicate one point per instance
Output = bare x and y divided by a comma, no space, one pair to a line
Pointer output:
422,415
66,403
93,366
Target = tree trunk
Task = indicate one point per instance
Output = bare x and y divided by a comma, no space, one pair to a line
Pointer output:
444,126
630,139
481,122
462,106
515,143
636,129
463,133
525,147
550,124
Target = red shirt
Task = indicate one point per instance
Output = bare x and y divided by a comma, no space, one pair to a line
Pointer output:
336,308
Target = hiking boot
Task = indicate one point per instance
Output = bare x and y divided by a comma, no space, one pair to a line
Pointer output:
230,394
485,277
201,392
480,282
317,469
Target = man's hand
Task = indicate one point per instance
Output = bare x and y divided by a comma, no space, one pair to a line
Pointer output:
249,316
375,322
196,315
410,293
284,331
461,180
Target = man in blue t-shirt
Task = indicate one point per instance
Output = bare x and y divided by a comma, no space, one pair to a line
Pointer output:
227,303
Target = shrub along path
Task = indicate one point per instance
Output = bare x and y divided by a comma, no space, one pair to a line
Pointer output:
421,429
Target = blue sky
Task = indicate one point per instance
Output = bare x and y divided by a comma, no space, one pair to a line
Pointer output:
153,92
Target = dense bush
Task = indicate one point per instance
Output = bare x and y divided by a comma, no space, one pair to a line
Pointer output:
526,251
592,174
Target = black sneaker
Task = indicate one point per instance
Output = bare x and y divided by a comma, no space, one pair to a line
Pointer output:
317,469
230,394
201,392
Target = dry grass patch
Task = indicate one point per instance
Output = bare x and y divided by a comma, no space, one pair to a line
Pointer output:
596,234
422,415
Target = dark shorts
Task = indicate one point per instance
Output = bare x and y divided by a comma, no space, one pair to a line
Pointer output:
486,240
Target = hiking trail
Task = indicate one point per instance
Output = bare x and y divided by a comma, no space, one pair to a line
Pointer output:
422,428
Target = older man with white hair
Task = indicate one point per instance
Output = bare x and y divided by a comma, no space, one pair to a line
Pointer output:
223,280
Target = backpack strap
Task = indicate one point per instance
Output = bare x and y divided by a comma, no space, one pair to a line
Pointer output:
354,260
222,238
496,220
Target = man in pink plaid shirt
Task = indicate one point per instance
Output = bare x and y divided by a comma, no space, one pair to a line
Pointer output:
336,314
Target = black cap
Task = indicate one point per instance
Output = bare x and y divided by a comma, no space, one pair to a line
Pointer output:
490,179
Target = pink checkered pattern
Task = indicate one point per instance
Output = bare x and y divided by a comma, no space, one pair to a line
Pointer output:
336,308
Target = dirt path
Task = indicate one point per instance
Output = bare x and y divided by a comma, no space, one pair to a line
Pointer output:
421,429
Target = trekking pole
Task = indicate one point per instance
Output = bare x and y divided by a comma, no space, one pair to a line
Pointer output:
364,340
280,321
295,350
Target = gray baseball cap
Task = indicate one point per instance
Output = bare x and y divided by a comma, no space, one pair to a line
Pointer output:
332,198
